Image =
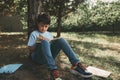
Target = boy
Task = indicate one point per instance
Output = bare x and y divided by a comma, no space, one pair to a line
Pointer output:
46,51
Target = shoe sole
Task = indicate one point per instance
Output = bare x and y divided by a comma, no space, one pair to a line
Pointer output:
77,73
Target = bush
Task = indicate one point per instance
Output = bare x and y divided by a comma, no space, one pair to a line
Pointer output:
102,17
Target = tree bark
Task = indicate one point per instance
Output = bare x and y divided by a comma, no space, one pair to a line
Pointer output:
34,8
59,19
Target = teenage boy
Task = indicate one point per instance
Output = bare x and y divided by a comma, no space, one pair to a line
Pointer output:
46,51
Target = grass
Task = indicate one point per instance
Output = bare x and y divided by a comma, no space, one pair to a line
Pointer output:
99,50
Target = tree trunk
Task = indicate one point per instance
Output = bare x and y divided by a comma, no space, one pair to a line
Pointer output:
59,19
113,28
34,8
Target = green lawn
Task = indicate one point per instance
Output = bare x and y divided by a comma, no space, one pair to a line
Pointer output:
98,50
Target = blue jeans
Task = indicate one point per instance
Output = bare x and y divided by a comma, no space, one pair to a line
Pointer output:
46,52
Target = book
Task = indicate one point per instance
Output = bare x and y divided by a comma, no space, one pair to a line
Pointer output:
10,68
98,72
38,40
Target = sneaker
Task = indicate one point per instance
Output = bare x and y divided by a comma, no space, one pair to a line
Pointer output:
79,69
55,75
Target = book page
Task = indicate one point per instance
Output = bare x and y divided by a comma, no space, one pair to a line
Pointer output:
98,72
40,37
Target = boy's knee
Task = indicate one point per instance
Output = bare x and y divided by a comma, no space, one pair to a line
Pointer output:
61,40
44,42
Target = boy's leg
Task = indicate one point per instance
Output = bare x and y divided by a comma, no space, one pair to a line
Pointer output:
44,55
77,67
62,44
55,49
46,50
38,56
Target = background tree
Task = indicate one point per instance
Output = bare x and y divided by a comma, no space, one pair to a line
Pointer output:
16,10
34,8
103,17
59,9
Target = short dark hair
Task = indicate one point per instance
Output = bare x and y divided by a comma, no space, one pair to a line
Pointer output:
45,18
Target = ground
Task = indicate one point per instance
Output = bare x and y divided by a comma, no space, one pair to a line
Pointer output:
98,50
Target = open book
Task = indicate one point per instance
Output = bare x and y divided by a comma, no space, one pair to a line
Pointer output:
98,72
10,68
40,37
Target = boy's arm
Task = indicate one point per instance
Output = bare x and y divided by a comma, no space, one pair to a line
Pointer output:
31,48
40,38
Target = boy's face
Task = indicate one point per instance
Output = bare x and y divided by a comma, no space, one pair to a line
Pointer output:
42,27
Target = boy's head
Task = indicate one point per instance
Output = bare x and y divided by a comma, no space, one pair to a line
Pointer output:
43,22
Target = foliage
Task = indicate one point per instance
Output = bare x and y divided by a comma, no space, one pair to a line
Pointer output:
107,14
103,16
66,6
59,9
14,7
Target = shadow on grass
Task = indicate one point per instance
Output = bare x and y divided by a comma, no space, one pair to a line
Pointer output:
86,45
13,50
108,62
90,46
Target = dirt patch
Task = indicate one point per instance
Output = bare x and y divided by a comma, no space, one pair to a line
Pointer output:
21,75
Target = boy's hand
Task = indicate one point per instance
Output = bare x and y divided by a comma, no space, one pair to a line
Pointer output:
31,48
40,38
